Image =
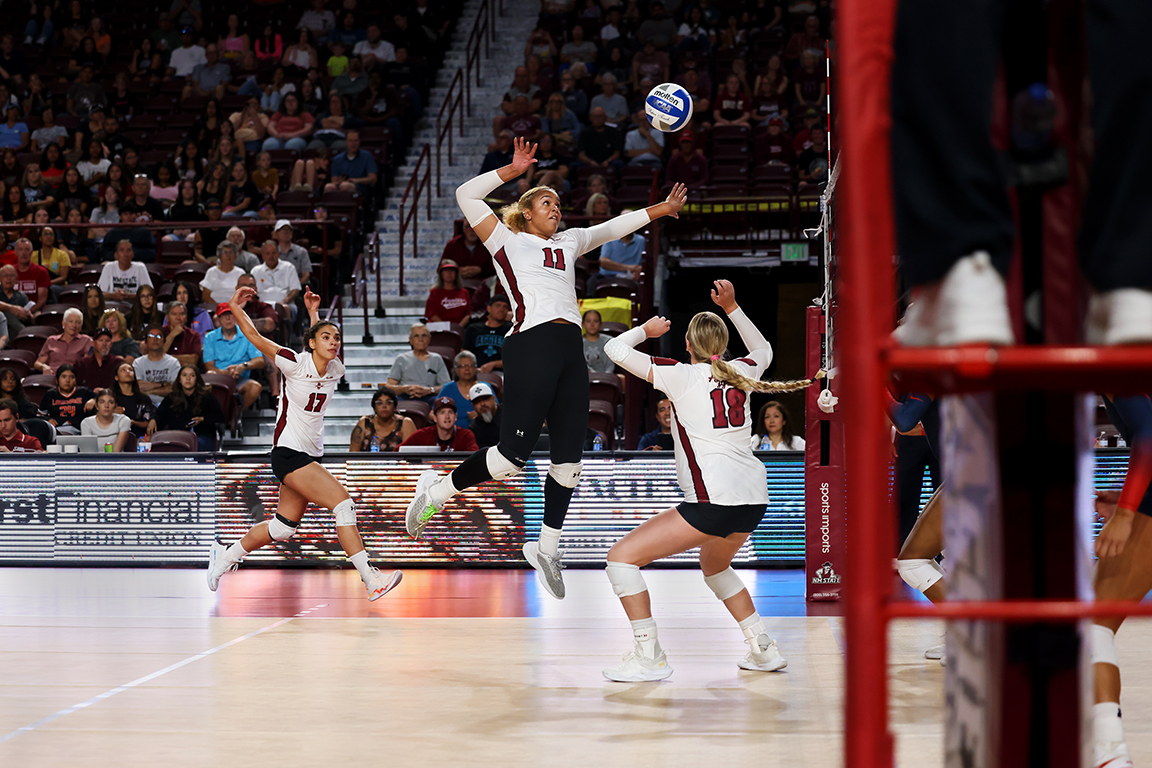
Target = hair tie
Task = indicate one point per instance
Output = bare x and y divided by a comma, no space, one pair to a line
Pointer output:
714,358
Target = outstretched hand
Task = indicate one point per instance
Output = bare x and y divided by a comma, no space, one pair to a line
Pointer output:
243,295
676,199
724,295
523,155
311,301
656,327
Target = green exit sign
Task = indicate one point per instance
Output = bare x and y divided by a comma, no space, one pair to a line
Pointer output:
794,252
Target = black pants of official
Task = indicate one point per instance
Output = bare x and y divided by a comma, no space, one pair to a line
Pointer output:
949,186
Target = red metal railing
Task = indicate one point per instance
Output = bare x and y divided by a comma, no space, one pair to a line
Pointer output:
452,104
483,33
416,187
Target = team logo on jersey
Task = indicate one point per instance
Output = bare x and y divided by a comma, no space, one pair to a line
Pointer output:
825,575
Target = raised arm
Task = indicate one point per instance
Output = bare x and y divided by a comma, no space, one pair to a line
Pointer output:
627,223
470,195
620,349
312,304
244,323
724,296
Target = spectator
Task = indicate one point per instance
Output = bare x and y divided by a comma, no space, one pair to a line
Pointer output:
65,405
107,212
622,258
209,125
12,389
143,245
464,366
166,38
86,55
108,425
144,201
418,374
146,65
73,194
13,302
550,169
269,46
145,313
501,155
642,145
131,402
540,43
448,301
13,132
265,178
318,21
353,170
191,406
521,122
660,439
123,345
771,92
276,280
574,97
228,351
190,163
48,132
94,168
12,440
688,166
652,63
657,30
773,431
10,168
220,280
120,280
611,31
600,144
332,125
812,163
774,146
187,14
578,49
808,39
250,125
594,343
15,209
596,185
733,37
235,41
156,370
37,192
75,238
485,338
810,85
84,97
376,108
56,260
695,34
374,50
732,106
521,86
353,82
3,331
290,127
469,254
199,319
180,341
411,77
614,105
97,369
562,124
92,309
41,30
485,425
242,196
384,429
413,37
13,66
301,56
31,279
263,316
210,78
207,239
444,432
282,233
164,188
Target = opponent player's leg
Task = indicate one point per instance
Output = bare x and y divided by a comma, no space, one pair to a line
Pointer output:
916,562
289,511
1127,576
664,535
716,563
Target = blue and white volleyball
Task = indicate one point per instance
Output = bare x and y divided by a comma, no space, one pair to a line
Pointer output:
668,107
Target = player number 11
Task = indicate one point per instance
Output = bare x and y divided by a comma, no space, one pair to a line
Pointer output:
554,262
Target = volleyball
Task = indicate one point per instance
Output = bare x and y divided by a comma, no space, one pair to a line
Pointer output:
668,107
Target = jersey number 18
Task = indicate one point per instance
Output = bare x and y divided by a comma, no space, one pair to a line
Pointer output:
728,407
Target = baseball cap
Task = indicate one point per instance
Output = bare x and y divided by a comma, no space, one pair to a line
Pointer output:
447,264
776,120
499,297
480,389
811,112
443,402
687,136
102,332
223,307
280,224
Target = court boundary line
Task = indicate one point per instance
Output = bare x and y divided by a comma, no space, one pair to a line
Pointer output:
147,678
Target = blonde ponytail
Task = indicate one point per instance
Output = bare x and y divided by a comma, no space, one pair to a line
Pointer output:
513,215
708,335
726,374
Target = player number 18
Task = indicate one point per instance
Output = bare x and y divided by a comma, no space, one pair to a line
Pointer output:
728,407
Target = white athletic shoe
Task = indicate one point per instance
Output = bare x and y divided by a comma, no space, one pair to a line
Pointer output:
640,669
547,569
379,584
218,564
764,656
969,306
1112,754
1122,316
935,652
421,509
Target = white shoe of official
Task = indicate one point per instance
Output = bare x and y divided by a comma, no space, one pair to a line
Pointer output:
1112,755
764,656
935,652
1122,316
638,668
421,509
379,583
547,569
218,564
969,306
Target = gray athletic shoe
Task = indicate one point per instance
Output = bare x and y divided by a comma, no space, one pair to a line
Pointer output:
421,509
547,569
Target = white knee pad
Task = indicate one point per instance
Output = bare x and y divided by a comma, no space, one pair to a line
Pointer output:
499,465
725,584
281,528
1104,646
626,579
566,474
345,513
920,574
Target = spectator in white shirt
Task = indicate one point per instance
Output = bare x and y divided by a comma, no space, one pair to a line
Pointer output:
156,370
185,58
220,280
122,278
276,280
109,426
318,21
375,50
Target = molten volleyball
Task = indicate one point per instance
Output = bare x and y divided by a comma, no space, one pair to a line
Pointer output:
668,107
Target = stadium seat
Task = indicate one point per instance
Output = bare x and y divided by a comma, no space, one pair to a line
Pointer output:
53,314
16,360
450,339
417,410
33,337
72,294
495,379
88,274
602,418
224,389
605,386
37,385
622,287
447,353
174,441
175,251
41,429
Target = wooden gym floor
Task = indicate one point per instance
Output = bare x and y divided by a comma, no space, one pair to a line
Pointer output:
146,667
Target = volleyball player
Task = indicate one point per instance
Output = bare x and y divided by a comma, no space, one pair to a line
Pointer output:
310,378
545,375
725,487
1124,571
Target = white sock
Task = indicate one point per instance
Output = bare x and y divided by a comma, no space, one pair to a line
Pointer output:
549,540
644,633
753,626
442,490
360,560
235,553
1108,726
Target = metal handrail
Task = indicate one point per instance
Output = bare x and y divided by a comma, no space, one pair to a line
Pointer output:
422,185
483,31
337,307
452,101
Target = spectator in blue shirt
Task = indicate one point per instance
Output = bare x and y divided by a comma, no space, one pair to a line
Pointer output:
209,79
660,439
353,170
226,350
464,366
13,133
619,258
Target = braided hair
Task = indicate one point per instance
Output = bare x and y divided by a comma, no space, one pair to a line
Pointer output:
708,335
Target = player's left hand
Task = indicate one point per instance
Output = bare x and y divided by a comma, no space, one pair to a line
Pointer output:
676,199
311,300
1106,502
1114,535
656,327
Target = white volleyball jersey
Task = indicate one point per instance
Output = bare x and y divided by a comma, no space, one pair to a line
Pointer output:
304,396
712,431
539,274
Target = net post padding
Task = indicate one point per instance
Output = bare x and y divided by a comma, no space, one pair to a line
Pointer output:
825,535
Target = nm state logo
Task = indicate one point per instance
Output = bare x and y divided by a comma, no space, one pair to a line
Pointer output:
825,575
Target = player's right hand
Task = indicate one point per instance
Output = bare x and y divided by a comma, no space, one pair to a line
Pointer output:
724,295
656,327
523,155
